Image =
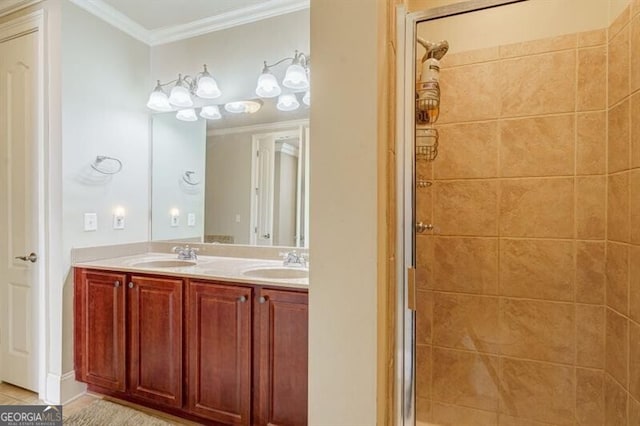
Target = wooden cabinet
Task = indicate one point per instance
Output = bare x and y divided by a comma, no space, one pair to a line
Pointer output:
221,354
155,339
219,347
282,357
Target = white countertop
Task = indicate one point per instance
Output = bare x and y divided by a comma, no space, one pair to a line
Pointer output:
227,269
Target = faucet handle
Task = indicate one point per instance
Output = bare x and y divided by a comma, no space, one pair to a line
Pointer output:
177,249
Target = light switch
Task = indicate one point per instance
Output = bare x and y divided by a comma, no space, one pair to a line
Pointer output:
237,218
191,219
118,218
90,222
175,218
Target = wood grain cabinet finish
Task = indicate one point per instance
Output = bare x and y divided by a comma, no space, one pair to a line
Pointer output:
219,347
100,329
155,339
282,358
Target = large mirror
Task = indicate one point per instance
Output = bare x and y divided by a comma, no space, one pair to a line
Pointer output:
241,178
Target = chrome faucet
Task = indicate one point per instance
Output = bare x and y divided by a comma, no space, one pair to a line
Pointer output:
292,258
186,252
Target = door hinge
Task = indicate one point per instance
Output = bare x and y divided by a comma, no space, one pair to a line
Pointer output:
411,288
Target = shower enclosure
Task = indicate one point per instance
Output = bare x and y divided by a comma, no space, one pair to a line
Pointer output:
518,193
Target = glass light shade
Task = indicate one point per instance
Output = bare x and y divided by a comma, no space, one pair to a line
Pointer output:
296,78
180,97
158,101
307,98
239,107
211,112
187,115
288,102
268,86
208,88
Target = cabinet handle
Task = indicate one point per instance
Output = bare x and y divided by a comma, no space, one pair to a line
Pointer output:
116,284
242,299
262,299
130,285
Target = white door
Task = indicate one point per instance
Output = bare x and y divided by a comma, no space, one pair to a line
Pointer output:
18,211
262,214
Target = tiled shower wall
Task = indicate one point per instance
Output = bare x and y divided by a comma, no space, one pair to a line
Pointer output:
529,287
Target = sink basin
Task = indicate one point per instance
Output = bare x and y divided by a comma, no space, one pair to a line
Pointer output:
277,273
164,263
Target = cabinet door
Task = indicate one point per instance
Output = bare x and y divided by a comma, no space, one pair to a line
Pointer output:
100,329
283,358
155,336
219,352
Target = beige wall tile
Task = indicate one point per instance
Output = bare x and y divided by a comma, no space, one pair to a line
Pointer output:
634,283
466,207
454,415
634,360
591,198
424,205
591,148
551,44
539,146
425,261
635,129
617,270
466,322
589,397
537,269
616,346
457,106
615,403
537,330
423,410
526,93
618,66
538,391
469,57
518,421
635,9
592,38
469,380
423,371
634,412
634,206
590,330
467,151
634,39
424,315
592,79
537,208
619,22
618,207
468,265
618,140
590,272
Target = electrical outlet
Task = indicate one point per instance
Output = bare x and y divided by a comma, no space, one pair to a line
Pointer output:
191,219
90,222
237,218
118,222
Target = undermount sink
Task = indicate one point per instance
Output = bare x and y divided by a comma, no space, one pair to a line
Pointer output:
277,273
164,263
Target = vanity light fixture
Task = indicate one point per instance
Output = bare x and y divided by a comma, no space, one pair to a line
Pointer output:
288,102
203,85
240,107
188,114
296,76
211,112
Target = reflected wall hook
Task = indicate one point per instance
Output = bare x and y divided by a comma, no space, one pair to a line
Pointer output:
100,159
188,177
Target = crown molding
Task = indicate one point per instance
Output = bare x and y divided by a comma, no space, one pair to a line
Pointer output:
278,125
14,6
116,18
246,15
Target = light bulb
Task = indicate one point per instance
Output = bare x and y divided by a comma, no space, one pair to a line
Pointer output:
296,77
239,107
180,96
288,102
211,112
307,98
208,88
187,115
158,100
268,86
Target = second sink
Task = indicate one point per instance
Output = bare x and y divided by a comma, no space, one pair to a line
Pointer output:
164,264
277,273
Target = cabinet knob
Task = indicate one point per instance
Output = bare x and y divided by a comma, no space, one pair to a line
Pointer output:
242,299
130,285
116,284
262,299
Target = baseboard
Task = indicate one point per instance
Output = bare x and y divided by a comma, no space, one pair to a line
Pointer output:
63,389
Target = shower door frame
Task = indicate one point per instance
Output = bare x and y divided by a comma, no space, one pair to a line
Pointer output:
406,32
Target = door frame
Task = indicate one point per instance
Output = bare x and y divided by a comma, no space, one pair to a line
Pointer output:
406,31
34,22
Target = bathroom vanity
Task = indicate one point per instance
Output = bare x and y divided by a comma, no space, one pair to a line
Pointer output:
210,342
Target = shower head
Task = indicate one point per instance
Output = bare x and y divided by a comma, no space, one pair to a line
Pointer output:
434,50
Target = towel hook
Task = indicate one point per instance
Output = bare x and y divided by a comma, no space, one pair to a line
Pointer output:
188,178
102,158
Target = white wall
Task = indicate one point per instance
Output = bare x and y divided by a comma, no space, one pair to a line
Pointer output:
343,240
105,84
178,146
